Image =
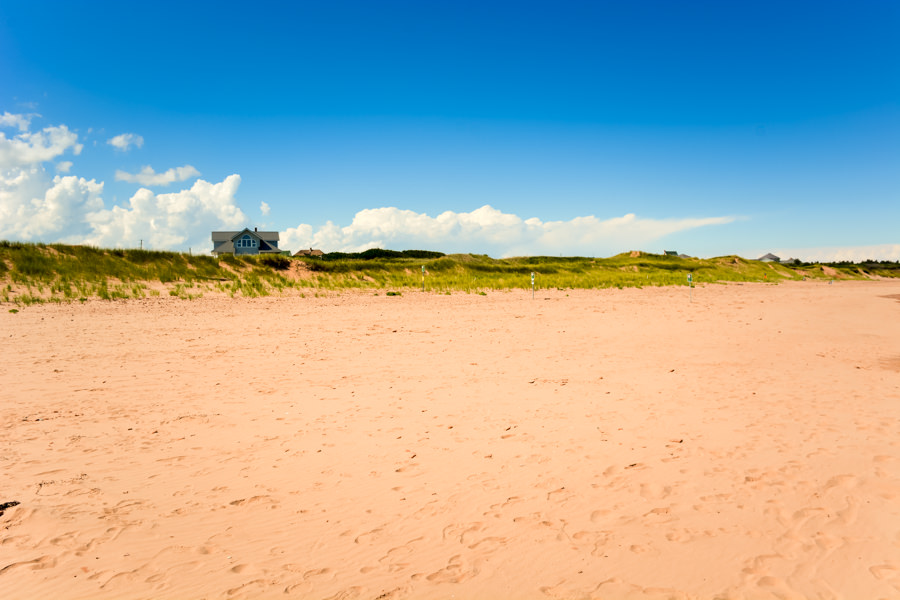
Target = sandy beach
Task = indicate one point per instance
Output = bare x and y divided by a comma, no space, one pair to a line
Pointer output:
583,444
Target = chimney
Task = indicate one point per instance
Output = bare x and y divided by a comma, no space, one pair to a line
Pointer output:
255,229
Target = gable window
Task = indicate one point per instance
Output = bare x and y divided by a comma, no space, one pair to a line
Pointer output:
247,242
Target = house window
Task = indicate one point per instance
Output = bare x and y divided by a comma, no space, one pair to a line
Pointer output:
247,242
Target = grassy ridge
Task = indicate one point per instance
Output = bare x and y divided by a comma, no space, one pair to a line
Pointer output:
31,273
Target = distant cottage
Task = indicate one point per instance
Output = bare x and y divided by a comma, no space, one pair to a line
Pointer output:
310,252
769,258
245,242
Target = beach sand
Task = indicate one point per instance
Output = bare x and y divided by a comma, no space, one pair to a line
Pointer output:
585,444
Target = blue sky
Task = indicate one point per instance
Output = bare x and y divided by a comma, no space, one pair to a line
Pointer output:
506,128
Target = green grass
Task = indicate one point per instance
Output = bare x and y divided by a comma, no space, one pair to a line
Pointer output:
473,273
36,273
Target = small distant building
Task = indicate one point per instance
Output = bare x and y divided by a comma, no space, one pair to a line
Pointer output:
769,258
311,252
671,252
245,242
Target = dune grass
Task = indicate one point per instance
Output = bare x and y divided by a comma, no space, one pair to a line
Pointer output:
472,273
36,273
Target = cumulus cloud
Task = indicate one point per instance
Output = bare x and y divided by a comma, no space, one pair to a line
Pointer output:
839,253
28,148
22,122
70,209
35,206
489,230
147,176
124,141
32,204
168,221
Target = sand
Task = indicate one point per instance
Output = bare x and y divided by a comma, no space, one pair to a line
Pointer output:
584,444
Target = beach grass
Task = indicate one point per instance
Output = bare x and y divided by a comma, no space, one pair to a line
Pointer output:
37,273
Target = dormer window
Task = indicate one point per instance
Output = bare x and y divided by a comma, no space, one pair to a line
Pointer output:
246,242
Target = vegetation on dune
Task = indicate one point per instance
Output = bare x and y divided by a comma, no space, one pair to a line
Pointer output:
33,273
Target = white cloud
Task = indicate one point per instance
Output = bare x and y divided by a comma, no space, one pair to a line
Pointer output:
168,221
70,209
148,176
124,141
29,148
264,209
488,230
838,253
22,122
32,205
35,207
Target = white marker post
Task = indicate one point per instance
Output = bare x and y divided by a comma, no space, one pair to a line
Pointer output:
691,286
423,278
532,285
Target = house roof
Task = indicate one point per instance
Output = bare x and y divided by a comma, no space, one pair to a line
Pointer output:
227,236
769,256
222,247
223,241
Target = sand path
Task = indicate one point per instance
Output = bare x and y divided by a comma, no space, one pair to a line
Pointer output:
585,444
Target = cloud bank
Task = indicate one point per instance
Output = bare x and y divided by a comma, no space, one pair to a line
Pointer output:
41,201
841,253
38,206
490,231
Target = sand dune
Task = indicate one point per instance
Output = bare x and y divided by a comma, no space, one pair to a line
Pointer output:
585,444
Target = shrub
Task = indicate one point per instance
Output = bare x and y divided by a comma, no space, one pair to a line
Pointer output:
276,261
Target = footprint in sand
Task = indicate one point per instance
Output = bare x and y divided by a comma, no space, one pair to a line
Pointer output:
654,491
887,572
843,481
368,537
43,562
456,571
599,515
488,544
462,532
239,568
249,589
319,573
348,594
